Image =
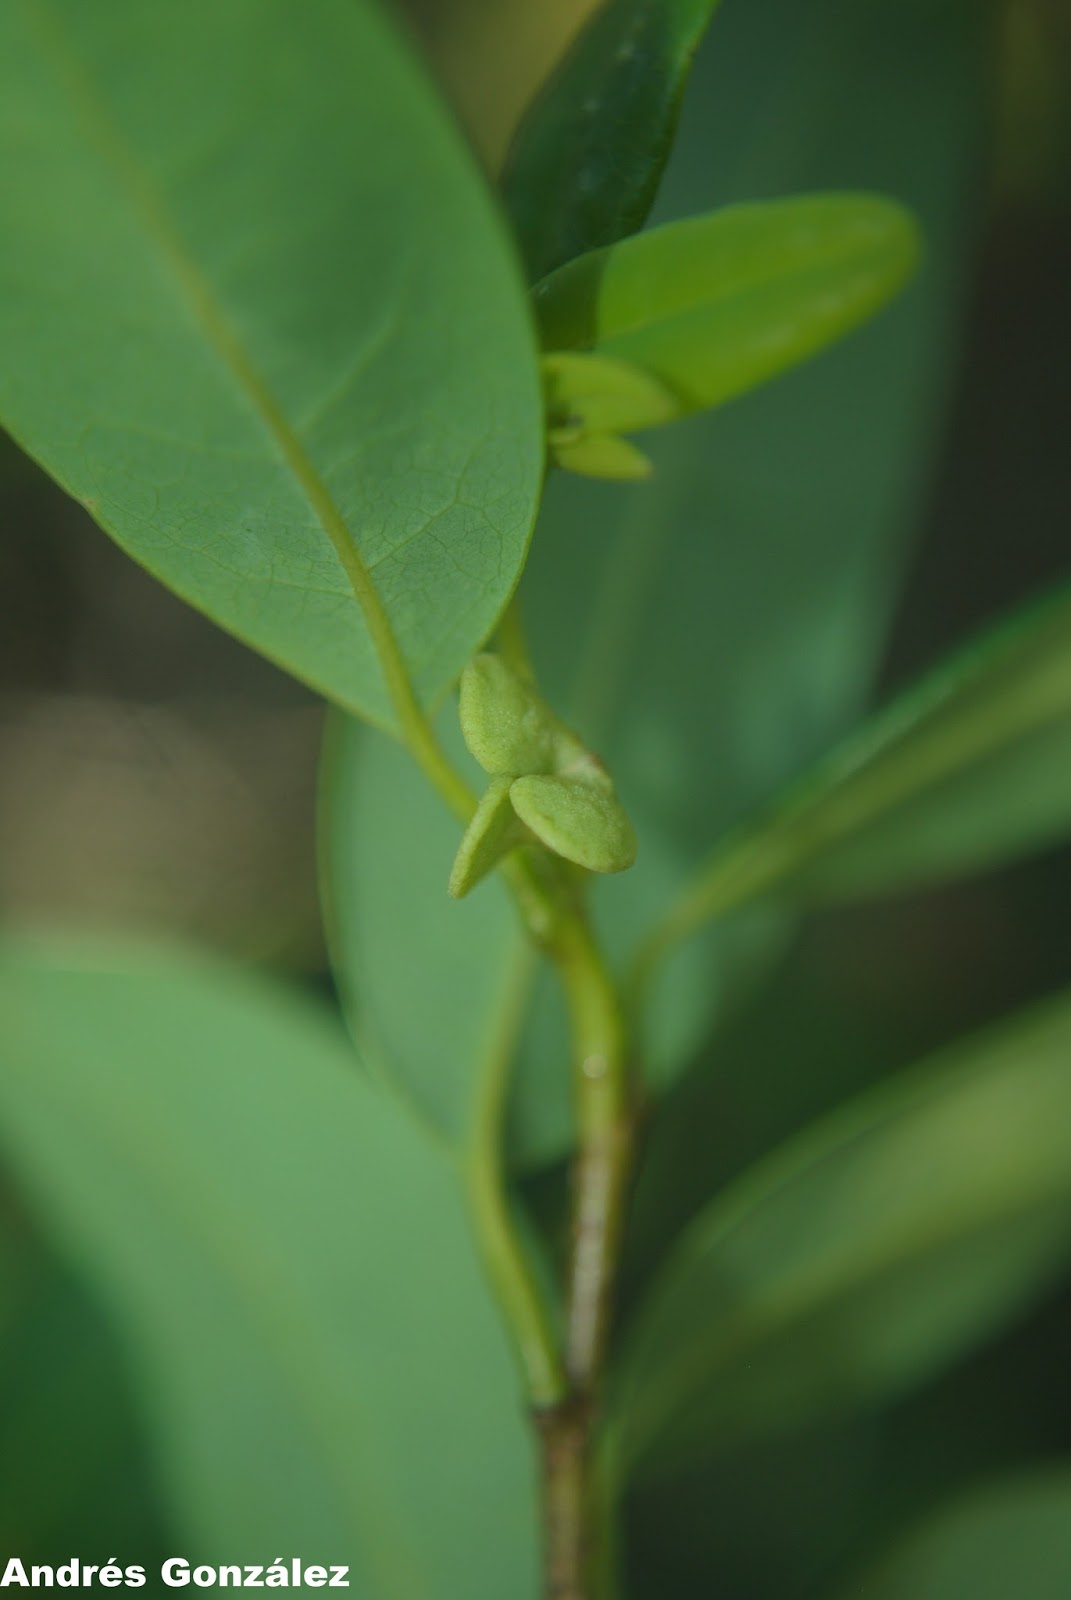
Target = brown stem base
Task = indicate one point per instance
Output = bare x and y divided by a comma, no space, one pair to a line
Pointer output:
565,1436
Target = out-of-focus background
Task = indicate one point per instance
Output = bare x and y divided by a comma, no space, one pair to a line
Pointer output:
156,775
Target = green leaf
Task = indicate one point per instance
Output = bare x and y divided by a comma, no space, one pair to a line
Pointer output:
586,161
288,1262
67,1422
968,769
864,1255
715,305
494,831
1012,1537
259,316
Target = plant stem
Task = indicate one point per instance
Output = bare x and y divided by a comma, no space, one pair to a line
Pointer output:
604,1149
504,1256
601,1173
565,1400
565,1439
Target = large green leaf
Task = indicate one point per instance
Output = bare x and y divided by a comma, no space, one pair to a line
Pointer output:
864,1255
968,769
288,1262
711,634
259,316
585,163
1011,1538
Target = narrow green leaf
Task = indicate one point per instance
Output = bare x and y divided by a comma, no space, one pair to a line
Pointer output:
586,161
716,305
288,1262
968,769
260,317
971,770
865,1255
1012,1537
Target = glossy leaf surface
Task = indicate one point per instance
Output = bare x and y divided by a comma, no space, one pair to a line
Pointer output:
865,1254
259,316
715,305
585,163
1010,1537
287,1261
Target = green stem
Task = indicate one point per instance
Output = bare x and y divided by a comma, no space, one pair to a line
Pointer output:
573,1503
505,1259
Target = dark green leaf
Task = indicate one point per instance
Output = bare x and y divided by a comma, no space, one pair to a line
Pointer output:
865,1254
586,161
1010,1538
718,304
288,1262
258,315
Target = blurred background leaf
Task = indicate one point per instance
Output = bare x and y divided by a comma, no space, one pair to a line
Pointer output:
865,1255
968,768
1007,1538
288,1265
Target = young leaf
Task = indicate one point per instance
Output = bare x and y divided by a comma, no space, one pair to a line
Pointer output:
863,1256
715,305
259,316
1010,1537
585,163
494,831
288,1262
971,767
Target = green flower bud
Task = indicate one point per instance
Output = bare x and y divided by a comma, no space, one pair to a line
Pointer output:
576,820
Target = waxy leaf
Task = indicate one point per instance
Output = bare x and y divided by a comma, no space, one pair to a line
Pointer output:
969,769
258,314
585,163
287,1260
715,305
863,1256
1011,1537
